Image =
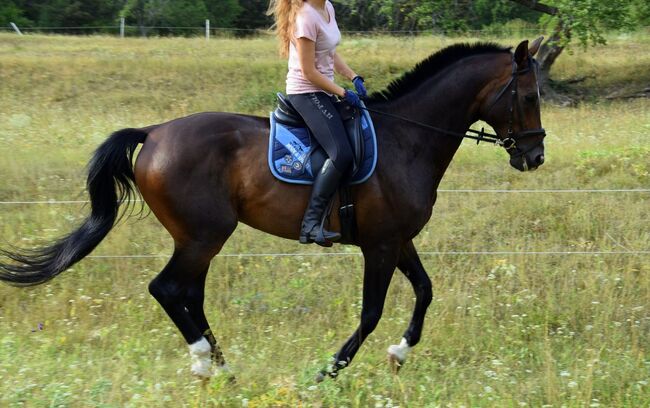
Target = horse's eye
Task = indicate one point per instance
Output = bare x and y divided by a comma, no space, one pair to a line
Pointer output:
531,98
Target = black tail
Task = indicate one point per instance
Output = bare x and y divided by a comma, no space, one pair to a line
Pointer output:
110,182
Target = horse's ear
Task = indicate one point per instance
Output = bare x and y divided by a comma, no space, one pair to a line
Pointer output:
534,47
521,54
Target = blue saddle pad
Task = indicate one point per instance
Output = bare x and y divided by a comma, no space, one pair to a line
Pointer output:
291,156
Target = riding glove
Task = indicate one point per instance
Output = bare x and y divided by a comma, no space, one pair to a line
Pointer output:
358,85
352,98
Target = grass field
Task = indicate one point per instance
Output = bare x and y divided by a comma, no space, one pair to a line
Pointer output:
503,330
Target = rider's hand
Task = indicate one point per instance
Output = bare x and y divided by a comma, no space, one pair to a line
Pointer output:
358,85
352,98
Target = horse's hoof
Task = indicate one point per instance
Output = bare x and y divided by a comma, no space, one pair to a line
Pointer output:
395,363
202,374
202,371
223,372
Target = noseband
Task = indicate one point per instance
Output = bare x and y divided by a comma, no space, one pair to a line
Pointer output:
510,142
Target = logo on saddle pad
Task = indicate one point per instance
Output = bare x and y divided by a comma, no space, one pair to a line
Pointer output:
295,156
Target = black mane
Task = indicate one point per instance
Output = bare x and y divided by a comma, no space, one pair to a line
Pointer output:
432,65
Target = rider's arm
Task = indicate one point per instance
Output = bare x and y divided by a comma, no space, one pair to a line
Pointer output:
342,68
307,55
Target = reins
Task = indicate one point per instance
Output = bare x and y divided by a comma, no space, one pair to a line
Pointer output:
482,136
509,142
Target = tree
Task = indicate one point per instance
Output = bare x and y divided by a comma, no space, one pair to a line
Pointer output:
224,13
10,12
77,13
487,13
581,20
360,15
141,13
179,13
438,15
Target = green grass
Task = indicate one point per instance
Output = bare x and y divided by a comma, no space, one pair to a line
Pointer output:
503,330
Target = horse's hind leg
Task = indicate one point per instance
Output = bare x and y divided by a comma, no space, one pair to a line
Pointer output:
409,263
379,266
179,290
194,303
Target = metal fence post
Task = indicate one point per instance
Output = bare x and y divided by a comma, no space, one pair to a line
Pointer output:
122,27
16,29
207,29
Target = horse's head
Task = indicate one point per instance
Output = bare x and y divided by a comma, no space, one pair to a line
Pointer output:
512,108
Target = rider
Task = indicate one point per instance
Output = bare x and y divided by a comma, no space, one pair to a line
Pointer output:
308,36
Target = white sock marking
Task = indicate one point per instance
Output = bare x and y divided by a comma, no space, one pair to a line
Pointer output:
399,351
201,361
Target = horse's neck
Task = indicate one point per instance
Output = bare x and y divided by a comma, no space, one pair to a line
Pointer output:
446,103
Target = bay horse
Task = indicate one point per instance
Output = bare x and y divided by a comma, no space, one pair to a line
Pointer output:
203,173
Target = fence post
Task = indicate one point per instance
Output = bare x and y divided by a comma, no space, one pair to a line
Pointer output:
122,27
16,29
207,29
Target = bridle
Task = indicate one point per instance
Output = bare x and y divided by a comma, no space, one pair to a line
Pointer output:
510,142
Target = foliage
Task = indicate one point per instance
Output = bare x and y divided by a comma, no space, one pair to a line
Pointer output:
587,18
496,13
436,15
77,13
416,15
252,14
223,13
12,12
363,15
179,13
639,13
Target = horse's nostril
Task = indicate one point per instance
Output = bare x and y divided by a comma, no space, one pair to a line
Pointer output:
539,160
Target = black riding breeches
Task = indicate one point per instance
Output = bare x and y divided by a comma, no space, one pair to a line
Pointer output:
325,123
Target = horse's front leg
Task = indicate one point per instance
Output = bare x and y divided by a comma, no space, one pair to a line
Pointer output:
409,263
380,262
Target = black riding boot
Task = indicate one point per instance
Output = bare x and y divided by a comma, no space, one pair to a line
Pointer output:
325,185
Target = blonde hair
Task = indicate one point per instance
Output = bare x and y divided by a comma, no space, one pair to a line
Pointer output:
284,13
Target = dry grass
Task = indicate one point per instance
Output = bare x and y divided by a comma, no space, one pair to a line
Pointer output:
503,330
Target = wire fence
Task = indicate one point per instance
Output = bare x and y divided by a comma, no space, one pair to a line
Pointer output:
358,254
143,31
463,191
423,253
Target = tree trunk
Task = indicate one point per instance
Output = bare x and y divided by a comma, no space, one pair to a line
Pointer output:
548,53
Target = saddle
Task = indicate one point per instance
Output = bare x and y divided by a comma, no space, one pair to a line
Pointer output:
287,115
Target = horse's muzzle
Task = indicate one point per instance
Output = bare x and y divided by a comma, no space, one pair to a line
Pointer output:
529,160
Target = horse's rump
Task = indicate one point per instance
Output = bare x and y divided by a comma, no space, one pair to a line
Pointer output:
217,162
